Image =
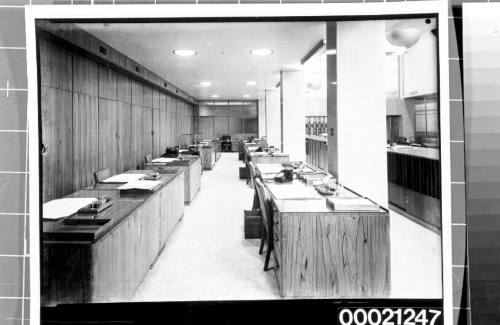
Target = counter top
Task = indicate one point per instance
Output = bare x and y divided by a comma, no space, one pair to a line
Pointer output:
317,138
422,152
89,228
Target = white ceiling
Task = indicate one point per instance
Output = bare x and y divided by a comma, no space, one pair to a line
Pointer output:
223,52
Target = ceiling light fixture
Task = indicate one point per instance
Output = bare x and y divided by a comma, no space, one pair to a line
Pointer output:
261,52
205,83
185,52
246,96
251,83
215,96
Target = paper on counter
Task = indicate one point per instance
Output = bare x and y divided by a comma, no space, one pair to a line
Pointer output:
140,185
163,160
352,204
61,208
293,191
123,178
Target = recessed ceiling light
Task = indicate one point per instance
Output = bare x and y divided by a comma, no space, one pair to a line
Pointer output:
261,52
215,96
331,52
205,83
246,96
184,52
251,83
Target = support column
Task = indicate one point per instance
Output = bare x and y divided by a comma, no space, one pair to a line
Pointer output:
272,110
293,114
358,118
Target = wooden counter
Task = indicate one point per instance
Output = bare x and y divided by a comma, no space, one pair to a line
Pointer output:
209,155
317,151
414,177
84,261
324,253
192,174
268,158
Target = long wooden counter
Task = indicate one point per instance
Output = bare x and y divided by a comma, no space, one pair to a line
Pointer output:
317,151
209,155
104,257
192,174
414,177
321,252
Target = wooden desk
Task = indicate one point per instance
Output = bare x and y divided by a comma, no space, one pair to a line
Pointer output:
321,252
209,155
192,174
268,158
85,261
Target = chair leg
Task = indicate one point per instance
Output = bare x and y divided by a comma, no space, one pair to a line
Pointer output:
263,238
268,255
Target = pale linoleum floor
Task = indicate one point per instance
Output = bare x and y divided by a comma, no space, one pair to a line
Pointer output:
207,257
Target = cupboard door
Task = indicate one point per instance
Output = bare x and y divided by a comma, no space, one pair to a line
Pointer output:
108,135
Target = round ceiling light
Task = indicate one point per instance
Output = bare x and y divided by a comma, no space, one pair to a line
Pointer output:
406,37
261,52
215,96
206,83
251,83
246,96
184,52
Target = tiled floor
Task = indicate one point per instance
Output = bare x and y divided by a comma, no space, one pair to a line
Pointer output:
207,257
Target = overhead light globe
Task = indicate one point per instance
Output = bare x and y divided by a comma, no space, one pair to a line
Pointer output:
406,37
215,96
261,52
251,83
246,96
184,52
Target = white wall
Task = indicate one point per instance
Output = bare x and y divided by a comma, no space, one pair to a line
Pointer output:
293,101
273,117
361,111
262,116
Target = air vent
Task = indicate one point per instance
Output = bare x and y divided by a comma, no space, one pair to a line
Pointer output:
137,69
103,50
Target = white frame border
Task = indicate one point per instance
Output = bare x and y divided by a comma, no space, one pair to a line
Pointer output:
238,11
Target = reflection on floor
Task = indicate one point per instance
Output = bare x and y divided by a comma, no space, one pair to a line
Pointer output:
207,257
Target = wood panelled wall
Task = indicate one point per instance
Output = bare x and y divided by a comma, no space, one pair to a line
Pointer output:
94,117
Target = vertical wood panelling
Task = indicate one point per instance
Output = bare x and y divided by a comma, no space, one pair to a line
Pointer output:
94,117
124,117
86,144
108,141
57,137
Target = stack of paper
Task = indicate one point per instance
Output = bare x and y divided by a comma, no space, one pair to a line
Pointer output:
123,178
61,208
141,185
163,160
351,204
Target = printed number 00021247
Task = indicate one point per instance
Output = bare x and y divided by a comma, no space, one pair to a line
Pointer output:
389,316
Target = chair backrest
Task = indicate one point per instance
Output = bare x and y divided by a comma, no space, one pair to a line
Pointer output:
265,205
251,167
148,158
101,175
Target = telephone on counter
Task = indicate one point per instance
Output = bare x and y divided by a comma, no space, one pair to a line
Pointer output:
286,175
171,152
99,205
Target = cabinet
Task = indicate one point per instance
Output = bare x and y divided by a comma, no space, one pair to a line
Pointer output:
420,67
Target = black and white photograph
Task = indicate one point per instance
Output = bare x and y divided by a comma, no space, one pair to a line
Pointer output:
239,159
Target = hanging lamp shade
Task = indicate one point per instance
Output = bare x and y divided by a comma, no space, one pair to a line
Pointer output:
406,36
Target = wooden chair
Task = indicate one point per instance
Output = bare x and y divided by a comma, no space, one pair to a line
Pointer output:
251,181
148,158
267,221
101,175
